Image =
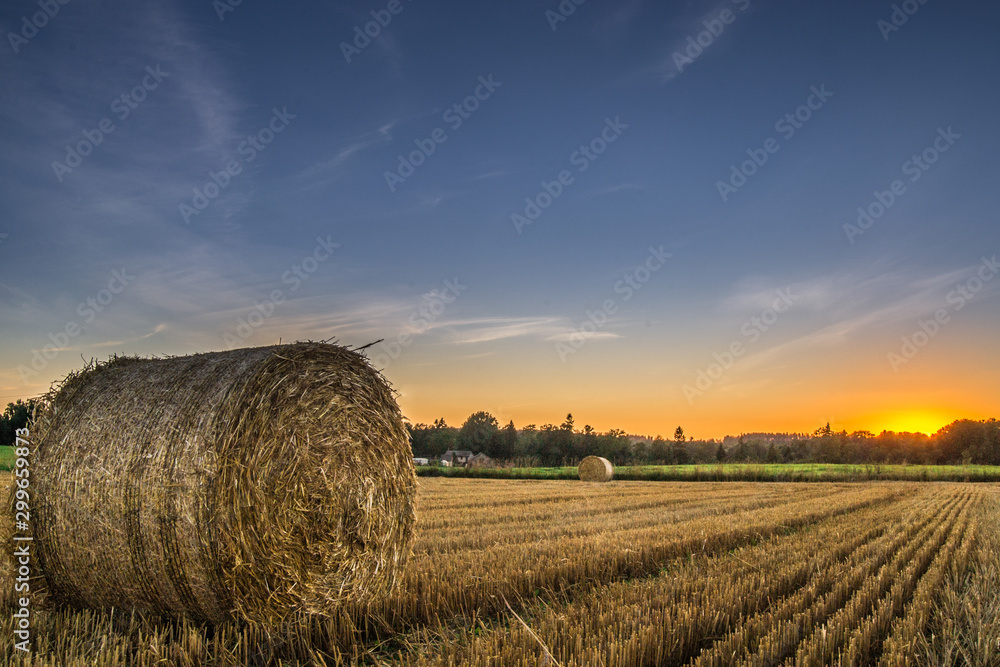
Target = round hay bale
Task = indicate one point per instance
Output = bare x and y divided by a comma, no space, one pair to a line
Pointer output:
255,483
596,469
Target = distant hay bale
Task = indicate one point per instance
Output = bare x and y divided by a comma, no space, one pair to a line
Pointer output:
596,469
254,483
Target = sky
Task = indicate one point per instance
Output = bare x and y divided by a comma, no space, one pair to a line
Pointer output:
732,216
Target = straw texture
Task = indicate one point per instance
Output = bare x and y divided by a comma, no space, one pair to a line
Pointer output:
596,469
255,483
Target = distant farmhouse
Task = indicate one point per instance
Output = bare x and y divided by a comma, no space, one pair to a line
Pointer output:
480,461
455,457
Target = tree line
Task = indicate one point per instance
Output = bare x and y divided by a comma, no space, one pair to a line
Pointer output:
15,416
964,441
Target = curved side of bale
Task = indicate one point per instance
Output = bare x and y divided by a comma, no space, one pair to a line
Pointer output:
596,469
260,482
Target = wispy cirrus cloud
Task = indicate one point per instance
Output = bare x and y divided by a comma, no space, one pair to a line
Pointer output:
490,329
354,147
664,68
854,304
570,336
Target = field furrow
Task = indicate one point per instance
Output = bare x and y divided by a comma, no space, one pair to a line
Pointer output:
898,650
438,518
865,645
767,638
592,517
963,627
832,639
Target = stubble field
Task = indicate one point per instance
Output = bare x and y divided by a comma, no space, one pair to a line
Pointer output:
508,573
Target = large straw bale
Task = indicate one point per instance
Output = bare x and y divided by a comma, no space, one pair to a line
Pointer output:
596,469
254,483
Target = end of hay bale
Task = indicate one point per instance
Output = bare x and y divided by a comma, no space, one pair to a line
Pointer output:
596,469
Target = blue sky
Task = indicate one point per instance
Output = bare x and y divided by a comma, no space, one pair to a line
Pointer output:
370,257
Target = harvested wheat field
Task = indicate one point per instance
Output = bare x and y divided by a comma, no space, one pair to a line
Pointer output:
629,573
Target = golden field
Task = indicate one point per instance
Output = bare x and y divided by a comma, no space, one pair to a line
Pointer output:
628,573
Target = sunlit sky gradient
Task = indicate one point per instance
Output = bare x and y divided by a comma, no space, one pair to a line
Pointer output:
505,343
